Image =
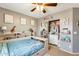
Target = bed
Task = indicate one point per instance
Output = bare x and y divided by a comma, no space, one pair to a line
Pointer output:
26,46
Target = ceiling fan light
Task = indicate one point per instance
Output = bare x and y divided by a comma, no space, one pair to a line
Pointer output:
38,7
42,7
44,11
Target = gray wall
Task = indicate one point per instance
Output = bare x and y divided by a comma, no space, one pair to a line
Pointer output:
75,29
42,24
17,16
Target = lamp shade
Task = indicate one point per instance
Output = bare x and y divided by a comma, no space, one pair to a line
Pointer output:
4,28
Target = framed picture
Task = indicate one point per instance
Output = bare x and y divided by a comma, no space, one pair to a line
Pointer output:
32,22
23,21
8,18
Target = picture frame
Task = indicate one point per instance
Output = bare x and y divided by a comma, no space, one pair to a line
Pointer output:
32,22
8,18
23,21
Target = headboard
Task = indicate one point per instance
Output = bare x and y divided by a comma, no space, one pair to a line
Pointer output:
24,38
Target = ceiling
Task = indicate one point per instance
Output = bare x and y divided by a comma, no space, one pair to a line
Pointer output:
25,8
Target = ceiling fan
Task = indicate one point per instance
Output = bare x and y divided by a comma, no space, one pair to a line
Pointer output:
41,5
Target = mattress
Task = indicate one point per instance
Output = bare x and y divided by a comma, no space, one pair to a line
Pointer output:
25,47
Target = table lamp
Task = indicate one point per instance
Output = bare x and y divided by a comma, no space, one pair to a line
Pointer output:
3,28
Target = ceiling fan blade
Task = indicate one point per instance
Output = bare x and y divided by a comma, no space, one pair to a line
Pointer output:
33,9
50,4
46,4
44,11
37,3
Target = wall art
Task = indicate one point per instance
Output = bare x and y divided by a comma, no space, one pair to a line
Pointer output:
8,18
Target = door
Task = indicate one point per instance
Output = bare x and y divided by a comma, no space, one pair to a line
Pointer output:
54,30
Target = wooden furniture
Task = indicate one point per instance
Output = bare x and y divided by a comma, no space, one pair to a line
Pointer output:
45,49
9,35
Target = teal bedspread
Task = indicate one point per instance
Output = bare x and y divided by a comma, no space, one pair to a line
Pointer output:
25,47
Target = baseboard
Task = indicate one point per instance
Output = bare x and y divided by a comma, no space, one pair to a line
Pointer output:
63,49
68,51
52,44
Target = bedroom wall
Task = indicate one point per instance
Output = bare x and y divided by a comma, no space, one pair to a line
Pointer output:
42,24
55,16
73,15
68,13
17,16
76,30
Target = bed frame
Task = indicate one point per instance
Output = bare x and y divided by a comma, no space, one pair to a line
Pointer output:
41,52
44,50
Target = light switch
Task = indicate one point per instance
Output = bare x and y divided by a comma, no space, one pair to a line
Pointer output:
75,32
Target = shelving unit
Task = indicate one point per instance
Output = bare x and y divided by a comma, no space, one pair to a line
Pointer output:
66,35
